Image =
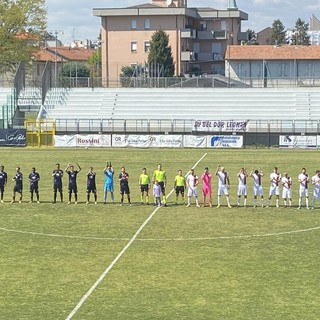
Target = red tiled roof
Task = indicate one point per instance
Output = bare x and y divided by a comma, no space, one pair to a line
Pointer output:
63,54
270,52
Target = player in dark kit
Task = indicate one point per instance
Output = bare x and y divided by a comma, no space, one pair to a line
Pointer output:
124,185
18,185
57,183
3,181
72,187
34,178
91,185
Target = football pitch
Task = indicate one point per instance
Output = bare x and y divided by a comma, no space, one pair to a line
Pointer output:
62,261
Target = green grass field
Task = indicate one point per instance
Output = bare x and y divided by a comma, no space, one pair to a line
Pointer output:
186,263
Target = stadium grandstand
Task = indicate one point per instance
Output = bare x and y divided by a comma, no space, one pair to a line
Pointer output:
168,110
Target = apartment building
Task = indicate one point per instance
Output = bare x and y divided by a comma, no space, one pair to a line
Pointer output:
198,36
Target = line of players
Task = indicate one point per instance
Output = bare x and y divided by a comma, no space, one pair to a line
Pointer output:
189,182
276,180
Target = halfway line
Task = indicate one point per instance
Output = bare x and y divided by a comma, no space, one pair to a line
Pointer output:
106,271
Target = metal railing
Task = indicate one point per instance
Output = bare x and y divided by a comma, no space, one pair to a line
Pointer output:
200,81
176,126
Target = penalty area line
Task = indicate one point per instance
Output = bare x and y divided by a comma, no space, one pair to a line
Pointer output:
120,254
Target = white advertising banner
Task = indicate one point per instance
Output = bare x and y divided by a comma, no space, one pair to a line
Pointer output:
221,126
65,141
195,141
147,141
224,141
298,142
79,140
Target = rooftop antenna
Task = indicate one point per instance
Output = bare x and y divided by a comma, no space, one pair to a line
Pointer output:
232,5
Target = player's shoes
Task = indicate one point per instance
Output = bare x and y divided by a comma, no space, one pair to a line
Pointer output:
2,201
277,206
120,204
38,201
218,206
188,205
147,203
198,206
68,202
12,201
229,206
30,201
141,203
165,205
307,208
299,208
75,202
95,202
20,201
312,208
130,204
87,202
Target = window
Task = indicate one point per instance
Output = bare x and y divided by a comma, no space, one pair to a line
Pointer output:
146,46
310,70
223,25
147,23
134,46
133,24
203,26
240,69
38,69
282,70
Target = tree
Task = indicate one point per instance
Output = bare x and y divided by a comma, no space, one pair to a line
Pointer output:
95,61
300,35
252,37
75,69
22,26
160,53
125,76
278,33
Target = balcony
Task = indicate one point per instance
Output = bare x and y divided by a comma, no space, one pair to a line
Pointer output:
243,36
209,56
210,35
188,33
204,35
189,56
220,35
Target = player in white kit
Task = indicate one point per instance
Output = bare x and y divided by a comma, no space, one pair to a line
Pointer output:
223,185
192,181
303,179
275,178
257,186
315,180
286,182
242,186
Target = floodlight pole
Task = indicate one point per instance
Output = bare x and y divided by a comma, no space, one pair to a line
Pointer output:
55,33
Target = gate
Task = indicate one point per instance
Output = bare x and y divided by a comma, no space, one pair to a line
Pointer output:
40,132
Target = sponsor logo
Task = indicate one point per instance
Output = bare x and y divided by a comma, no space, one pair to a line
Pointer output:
18,137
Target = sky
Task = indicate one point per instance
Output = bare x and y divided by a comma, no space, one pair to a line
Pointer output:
73,19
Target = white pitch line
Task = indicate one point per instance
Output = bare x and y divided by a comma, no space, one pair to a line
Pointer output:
106,271
55,235
231,237
248,236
